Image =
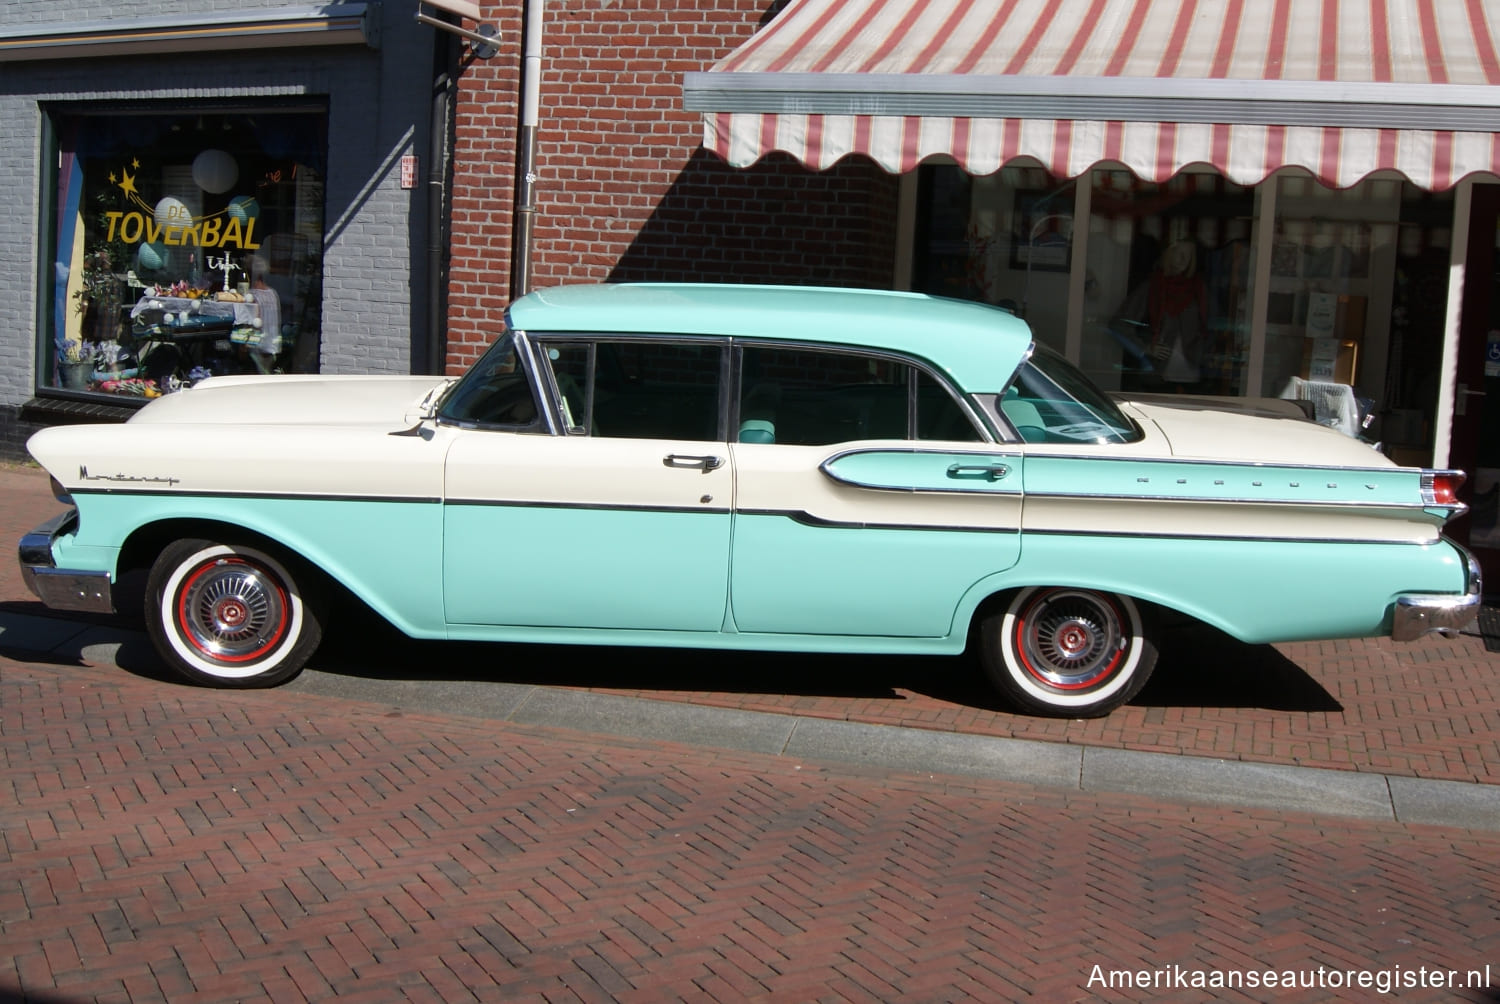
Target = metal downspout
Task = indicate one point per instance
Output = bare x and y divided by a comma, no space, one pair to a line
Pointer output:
439,229
525,207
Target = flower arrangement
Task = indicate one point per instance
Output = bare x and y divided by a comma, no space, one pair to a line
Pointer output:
136,386
76,351
110,355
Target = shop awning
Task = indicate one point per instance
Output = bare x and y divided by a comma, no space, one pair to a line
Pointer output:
207,31
1340,87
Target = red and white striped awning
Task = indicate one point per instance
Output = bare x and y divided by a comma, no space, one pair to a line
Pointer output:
1341,87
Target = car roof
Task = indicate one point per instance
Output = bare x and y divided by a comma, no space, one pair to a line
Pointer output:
979,346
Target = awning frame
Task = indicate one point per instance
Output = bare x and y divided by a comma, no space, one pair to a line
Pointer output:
279,27
1346,104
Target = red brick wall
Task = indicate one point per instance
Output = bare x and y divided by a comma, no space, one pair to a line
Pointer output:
624,191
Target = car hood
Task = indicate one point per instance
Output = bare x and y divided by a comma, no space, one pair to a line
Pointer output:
296,400
1248,431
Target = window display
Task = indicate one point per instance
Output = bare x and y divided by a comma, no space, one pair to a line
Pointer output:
188,243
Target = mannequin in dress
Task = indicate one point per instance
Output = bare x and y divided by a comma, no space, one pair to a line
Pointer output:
1178,313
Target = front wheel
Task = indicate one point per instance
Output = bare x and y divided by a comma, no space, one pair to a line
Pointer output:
229,615
1068,652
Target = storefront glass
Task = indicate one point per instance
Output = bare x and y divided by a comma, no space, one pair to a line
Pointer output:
1344,307
1006,239
1356,301
1167,295
185,243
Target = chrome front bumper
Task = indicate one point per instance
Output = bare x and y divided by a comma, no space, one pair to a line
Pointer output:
61,588
1442,613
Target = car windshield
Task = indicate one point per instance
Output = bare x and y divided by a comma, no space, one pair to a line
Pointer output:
495,391
1051,401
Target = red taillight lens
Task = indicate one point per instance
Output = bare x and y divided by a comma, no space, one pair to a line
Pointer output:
1445,486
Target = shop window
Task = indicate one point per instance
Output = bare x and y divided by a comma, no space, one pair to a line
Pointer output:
1168,291
1005,239
185,243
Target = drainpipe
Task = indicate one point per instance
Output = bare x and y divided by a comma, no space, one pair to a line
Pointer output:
438,229
531,97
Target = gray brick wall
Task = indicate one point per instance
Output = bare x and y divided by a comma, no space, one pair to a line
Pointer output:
374,283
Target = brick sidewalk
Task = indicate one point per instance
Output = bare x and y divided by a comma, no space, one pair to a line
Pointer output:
1430,709
160,842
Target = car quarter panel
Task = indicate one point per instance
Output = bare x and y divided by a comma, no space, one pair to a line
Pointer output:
1258,591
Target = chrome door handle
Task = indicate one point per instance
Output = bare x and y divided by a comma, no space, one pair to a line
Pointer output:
990,472
704,464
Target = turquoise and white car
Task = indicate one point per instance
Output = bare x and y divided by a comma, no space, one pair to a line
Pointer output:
746,467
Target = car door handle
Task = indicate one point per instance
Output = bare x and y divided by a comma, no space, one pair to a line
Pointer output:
704,464
989,472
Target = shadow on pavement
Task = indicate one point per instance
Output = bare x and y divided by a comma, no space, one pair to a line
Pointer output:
1203,667
1199,667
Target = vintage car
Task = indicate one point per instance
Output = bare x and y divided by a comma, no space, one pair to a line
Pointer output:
746,467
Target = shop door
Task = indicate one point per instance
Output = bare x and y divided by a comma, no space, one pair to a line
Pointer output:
1475,446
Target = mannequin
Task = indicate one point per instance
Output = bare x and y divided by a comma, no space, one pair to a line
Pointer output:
1178,313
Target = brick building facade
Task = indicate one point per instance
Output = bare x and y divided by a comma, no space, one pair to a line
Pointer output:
625,191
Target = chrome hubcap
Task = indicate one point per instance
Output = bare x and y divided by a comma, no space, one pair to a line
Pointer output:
232,611
1070,639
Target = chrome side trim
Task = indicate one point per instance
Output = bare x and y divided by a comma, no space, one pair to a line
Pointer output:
61,588
1419,614
1233,500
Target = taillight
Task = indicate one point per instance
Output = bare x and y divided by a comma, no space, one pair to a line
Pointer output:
1441,487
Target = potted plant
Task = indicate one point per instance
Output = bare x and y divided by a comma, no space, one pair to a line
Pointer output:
97,297
75,364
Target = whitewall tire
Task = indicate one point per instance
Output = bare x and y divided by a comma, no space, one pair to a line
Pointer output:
1068,652
230,615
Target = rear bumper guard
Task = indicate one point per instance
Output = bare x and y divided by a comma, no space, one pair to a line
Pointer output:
1438,613
61,588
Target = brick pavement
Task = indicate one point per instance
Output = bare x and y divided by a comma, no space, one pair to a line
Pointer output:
1429,709
161,842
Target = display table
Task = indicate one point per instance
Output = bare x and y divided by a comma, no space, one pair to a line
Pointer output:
184,319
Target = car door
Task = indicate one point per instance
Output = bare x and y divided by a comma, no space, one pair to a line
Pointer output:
620,521
867,502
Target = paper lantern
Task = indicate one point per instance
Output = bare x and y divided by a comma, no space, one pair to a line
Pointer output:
243,209
215,171
172,212
153,257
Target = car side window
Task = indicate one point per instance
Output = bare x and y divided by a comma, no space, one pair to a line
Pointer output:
814,397
639,389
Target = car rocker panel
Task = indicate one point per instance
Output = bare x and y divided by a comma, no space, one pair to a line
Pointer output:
495,508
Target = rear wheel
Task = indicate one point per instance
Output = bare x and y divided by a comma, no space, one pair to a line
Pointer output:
1068,652
230,615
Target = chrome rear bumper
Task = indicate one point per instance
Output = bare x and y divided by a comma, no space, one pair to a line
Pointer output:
1442,613
61,588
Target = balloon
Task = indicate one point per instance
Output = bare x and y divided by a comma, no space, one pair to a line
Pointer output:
171,212
215,171
153,257
243,208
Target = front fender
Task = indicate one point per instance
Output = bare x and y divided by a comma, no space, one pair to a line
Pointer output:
386,552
